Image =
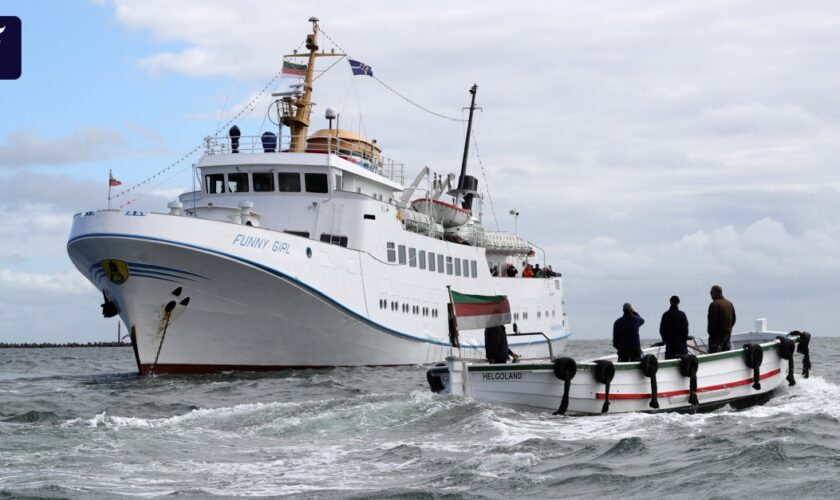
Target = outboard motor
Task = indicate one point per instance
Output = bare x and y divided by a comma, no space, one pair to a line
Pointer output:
269,142
234,134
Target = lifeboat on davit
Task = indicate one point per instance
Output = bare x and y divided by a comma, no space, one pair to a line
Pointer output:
447,214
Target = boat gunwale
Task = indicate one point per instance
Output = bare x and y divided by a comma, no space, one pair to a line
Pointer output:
588,366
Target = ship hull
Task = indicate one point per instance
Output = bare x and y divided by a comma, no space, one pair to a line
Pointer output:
215,305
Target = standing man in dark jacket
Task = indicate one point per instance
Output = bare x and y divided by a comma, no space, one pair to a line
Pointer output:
721,321
626,335
674,330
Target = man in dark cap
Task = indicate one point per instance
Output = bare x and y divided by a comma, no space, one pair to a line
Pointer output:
674,330
626,335
721,321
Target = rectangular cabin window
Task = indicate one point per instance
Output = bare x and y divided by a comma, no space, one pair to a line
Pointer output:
238,183
422,259
401,251
288,182
339,183
466,266
432,261
440,263
316,183
449,265
263,181
412,257
474,267
334,239
392,252
457,266
214,183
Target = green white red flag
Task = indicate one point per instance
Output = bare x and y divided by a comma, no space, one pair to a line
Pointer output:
480,311
291,69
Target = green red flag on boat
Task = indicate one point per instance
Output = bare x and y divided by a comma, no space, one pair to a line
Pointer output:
480,311
291,69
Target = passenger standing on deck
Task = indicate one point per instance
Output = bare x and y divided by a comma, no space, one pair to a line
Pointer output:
721,321
674,330
626,335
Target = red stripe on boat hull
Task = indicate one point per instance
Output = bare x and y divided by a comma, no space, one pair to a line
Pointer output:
684,392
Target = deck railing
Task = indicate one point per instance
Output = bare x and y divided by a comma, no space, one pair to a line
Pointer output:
351,151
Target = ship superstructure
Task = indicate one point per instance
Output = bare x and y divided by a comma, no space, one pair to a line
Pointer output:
310,255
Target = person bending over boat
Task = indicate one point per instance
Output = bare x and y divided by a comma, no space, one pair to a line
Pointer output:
674,330
721,321
626,335
496,346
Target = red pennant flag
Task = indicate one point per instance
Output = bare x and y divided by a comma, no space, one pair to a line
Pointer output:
113,182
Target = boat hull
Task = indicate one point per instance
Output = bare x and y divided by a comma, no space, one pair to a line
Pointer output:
722,378
231,311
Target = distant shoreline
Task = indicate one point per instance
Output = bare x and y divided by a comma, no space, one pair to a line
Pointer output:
48,345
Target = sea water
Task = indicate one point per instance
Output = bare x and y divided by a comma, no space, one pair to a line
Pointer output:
80,423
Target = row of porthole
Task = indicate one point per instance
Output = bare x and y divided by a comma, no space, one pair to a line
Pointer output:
405,308
539,315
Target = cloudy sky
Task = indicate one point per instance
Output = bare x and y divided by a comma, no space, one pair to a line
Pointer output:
651,147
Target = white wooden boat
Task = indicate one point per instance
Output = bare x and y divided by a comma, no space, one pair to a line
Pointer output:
748,374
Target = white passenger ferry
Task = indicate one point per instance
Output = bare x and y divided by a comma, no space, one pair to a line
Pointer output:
307,254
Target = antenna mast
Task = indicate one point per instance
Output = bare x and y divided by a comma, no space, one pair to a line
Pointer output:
473,91
298,109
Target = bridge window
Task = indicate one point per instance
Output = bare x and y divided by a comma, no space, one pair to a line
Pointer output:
401,251
263,181
412,257
316,183
449,265
457,266
214,183
334,239
474,266
288,182
432,261
422,259
392,252
238,183
440,264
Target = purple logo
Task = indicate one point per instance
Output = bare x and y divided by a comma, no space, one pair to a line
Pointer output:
10,48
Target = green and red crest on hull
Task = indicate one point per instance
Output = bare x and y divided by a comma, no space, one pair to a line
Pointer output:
480,311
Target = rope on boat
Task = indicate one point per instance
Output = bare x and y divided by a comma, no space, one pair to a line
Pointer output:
604,373
786,349
390,89
649,366
688,368
245,110
754,356
564,369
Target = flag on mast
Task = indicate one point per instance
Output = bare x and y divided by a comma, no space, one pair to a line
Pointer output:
360,68
112,182
291,69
